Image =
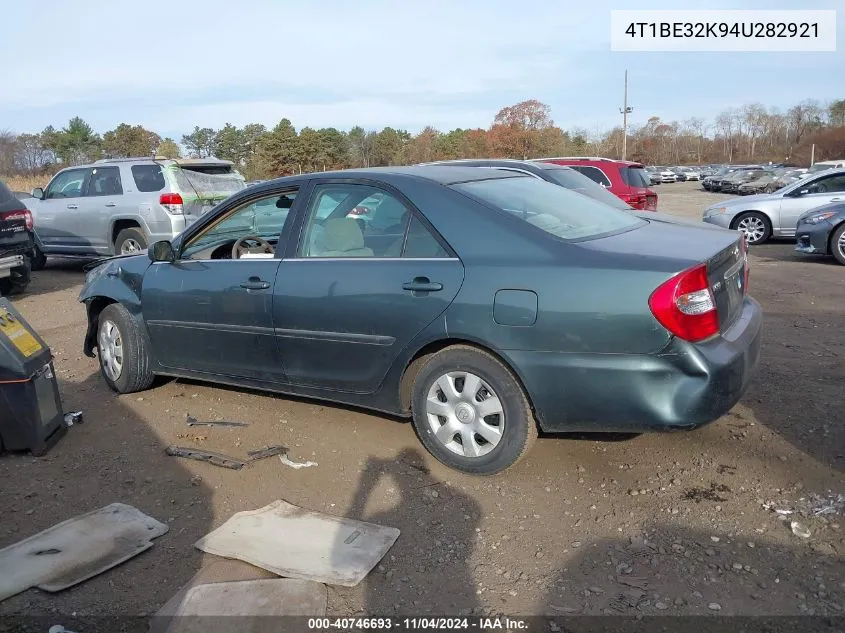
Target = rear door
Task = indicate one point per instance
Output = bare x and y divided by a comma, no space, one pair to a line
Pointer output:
102,199
352,297
57,215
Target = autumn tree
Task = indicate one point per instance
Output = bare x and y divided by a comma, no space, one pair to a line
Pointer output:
169,149
127,141
517,128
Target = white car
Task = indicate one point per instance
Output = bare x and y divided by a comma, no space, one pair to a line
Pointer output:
667,175
692,173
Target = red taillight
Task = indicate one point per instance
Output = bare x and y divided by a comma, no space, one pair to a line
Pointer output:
17,216
172,203
685,306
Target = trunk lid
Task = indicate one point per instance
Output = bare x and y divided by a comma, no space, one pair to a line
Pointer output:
667,247
15,219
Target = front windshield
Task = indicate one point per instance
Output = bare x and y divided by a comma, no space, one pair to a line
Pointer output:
577,181
551,208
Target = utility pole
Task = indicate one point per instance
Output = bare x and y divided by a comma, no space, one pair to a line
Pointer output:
625,111
812,154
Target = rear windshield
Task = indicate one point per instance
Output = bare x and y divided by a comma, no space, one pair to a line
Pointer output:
635,177
554,209
577,181
207,182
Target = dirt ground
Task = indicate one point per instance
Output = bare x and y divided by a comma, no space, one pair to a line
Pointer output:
658,524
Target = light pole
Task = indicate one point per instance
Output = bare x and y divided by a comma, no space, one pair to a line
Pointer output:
625,111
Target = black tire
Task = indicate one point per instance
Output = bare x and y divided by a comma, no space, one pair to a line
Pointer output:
17,282
520,427
131,235
135,373
754,218
837,244
39,259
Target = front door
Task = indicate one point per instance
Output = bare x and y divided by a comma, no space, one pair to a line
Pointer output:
820,191
211,311
368,276
57,214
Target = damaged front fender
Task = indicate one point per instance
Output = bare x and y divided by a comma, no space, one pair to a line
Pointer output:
116,280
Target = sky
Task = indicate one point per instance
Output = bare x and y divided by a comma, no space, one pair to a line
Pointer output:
171,65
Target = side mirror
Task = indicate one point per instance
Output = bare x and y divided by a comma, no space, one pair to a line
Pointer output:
162,251
38,193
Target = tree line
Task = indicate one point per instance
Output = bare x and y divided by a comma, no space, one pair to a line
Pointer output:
751,133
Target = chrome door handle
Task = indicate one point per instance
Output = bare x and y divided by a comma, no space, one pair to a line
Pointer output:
72,206
110,204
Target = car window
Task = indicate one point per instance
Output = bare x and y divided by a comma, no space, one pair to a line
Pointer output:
577,181
553,209
264,218
148,178
104,181
67,184
421,244
637,176
354,220
593,173
830,184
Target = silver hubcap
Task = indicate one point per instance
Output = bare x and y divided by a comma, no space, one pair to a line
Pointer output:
465,414
753,227
841,244
130,246
111,349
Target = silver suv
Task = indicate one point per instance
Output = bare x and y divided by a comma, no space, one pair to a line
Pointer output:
776,214
120,206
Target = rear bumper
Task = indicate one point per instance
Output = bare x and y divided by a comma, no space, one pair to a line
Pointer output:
683,387
812,239
8,263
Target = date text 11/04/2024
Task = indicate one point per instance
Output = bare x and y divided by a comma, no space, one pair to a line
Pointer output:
723,29
417,624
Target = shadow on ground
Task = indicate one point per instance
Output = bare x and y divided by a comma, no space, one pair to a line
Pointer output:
112,457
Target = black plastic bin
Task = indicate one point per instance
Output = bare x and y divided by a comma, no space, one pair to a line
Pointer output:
31,416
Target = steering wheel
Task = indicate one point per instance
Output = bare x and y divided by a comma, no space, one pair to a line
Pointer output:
242,246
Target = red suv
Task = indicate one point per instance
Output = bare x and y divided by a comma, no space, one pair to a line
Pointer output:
629,181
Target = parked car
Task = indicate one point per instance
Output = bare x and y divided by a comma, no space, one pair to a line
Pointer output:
732,183
555,174
824,165
690,173
776,214
680,174
625,179
653,175
17,245
821,231
717,182
452,317
667,175
119,206
760,184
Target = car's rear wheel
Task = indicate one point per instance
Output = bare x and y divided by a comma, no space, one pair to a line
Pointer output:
471,412
131,241
121,348
756,227
837,244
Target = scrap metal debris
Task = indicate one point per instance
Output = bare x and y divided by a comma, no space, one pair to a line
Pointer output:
192,421
268,451
216,459
811,505
799,530
288,462
74,417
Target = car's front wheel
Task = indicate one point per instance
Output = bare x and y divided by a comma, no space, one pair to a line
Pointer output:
471,412
756,227
122,351
837,244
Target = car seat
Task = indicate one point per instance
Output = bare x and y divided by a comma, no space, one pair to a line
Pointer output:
341,237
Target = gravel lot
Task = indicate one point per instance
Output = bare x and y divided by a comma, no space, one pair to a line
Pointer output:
669,524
